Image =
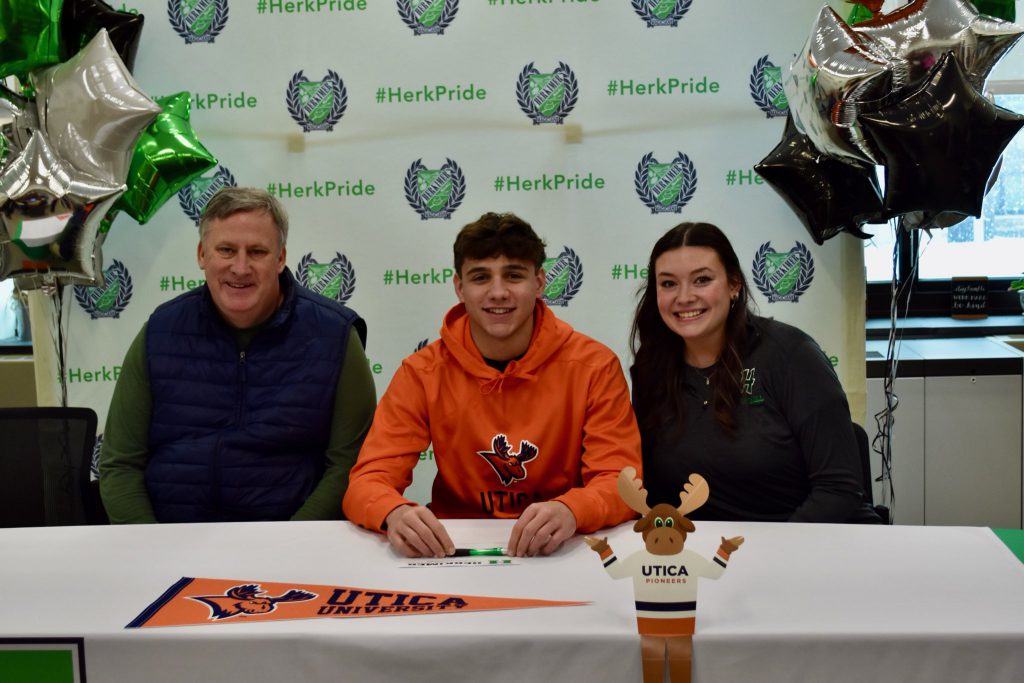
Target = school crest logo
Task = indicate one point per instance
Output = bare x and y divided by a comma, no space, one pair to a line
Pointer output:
110,298
665,188
246,599
547,98
783,276
661,12
766,88
509,466
427,16
317,105
194,196
335,280
563,277
435,193
197,21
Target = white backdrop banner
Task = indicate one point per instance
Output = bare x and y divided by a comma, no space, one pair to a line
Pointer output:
386,125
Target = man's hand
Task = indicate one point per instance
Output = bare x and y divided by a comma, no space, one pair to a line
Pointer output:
541,529
414,531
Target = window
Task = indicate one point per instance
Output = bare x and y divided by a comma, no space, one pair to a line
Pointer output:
14,337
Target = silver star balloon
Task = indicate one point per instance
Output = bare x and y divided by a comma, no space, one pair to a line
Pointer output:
76,257
50,213
835,71
93,111
17,120
39,171
923,30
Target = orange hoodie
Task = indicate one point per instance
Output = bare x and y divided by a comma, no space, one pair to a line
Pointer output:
557,424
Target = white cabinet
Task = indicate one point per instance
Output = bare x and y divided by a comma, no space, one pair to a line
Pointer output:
973,446
958,436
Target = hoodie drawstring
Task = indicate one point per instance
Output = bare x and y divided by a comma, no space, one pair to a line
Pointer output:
490,385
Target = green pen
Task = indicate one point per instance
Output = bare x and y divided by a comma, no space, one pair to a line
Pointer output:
472,552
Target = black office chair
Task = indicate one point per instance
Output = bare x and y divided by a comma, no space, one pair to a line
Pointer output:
45,456
864,450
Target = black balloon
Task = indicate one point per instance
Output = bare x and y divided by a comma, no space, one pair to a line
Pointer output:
930,220
940,144
828,196
80,20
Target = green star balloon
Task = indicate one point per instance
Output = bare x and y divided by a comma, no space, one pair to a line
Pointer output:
1001,9
167,156
858,14
29,35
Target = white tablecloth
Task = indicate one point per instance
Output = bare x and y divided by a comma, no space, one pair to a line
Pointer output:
798,603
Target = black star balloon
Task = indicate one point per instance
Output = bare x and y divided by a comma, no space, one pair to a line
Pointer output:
829,196
931,220
940,143
80,20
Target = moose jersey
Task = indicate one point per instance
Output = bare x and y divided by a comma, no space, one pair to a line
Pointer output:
556,424
665,586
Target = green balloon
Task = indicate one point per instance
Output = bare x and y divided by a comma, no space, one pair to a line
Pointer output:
167,157
858,14
1000,9
29,35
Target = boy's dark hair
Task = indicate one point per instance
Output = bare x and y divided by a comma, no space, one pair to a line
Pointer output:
498,234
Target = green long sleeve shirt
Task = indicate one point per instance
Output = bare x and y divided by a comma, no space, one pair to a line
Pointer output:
125,450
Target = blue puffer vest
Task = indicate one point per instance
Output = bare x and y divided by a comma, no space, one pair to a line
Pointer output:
240,436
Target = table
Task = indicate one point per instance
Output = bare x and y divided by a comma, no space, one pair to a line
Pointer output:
798,602
1014,540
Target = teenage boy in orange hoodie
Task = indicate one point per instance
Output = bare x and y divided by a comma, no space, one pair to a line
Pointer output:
528,418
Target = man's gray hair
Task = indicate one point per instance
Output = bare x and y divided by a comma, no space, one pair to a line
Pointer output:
231,200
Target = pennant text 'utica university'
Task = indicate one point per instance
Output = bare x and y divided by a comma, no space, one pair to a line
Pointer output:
211,601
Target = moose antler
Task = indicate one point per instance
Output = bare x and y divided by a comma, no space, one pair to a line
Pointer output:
527,451
500,445
694,494
632,491
293,595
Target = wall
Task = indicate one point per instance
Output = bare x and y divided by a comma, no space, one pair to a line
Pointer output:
390,260
17,382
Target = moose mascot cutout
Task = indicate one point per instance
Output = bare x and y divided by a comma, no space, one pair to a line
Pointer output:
665,575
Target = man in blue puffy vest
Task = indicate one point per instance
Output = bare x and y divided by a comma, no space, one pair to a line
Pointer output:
247,398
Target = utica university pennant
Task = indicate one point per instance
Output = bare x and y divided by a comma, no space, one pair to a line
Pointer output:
193,601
